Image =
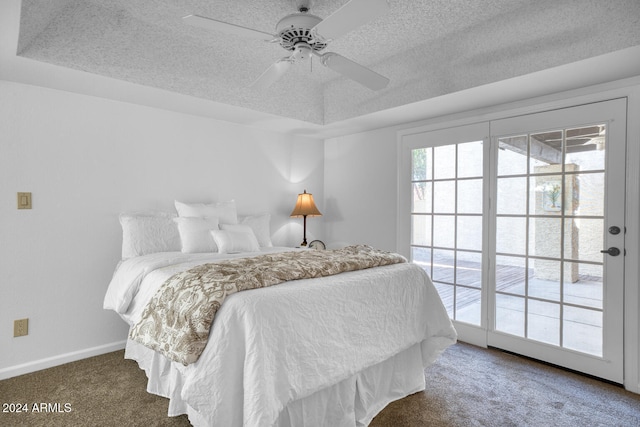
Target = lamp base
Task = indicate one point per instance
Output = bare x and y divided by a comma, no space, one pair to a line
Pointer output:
304,233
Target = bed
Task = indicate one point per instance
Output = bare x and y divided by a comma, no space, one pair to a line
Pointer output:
322,351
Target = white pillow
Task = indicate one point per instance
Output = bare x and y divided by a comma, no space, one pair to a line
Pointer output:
148,232
261,228
224,211
195,234
234,241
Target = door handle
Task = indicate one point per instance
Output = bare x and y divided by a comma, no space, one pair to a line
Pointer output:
611,251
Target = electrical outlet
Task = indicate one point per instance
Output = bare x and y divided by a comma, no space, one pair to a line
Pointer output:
24,200
20,327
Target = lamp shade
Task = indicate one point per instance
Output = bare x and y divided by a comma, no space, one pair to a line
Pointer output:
305,206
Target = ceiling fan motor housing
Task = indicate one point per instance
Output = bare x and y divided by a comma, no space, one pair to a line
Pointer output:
296,28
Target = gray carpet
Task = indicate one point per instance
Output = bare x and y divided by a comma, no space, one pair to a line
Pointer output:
467,386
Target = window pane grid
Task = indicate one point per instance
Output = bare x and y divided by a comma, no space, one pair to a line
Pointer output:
543,258
469,178
451,263
545,216
543,174
546,289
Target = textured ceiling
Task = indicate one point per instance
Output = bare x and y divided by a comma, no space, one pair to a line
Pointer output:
426,48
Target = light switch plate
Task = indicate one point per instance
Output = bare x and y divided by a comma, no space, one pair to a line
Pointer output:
24,200
21,327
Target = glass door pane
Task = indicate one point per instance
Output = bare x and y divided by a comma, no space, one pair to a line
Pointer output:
542,221
446,223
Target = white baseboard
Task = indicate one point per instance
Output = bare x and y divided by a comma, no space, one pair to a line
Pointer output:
49,362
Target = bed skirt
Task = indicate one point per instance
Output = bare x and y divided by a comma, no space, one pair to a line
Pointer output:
351,402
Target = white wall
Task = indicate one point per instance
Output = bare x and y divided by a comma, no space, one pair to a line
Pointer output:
361,171
87,159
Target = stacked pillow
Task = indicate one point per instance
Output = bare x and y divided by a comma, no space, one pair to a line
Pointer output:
214,228
224,211
259,224
147,233
195,235
197,228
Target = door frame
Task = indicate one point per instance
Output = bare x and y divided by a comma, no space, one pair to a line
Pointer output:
627,88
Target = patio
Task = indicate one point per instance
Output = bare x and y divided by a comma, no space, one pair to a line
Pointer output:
575,313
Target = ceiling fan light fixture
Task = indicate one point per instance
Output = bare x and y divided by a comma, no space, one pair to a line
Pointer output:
302,52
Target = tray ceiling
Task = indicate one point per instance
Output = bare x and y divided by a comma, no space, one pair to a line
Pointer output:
426,48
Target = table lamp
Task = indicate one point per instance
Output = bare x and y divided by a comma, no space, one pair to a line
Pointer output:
305,206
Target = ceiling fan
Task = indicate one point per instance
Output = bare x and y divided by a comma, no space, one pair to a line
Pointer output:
306,35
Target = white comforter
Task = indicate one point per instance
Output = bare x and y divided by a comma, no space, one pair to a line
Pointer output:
271,346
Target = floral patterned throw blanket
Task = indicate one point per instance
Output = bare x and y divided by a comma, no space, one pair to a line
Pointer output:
177,320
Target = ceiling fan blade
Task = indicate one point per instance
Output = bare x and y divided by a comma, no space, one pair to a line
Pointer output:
354,71
272,74
349,17
225,27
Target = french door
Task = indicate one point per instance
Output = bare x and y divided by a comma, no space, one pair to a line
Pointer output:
520,224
